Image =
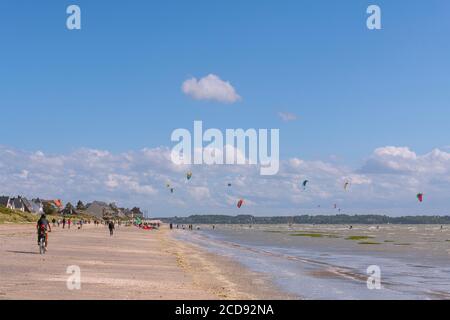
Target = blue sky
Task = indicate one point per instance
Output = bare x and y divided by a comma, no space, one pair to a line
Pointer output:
116,84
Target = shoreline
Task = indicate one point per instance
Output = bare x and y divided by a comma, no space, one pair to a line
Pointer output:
133,264
237,281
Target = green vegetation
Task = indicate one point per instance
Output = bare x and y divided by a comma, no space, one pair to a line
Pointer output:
369,242
13,216
389,241
312,235
357,238
49,209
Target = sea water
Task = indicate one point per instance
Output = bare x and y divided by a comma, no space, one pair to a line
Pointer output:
330,262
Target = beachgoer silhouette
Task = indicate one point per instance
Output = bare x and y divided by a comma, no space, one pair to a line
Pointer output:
111,228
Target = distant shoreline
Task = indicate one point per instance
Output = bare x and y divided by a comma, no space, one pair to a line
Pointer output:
340,219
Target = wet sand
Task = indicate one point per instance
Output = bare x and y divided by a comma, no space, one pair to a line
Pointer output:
133,264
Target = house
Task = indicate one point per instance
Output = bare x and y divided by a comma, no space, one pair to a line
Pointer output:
33,206
6,202
101,209
38,205
18,204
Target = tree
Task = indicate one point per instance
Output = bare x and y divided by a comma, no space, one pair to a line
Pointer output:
49,209
80,205
69,209
136,210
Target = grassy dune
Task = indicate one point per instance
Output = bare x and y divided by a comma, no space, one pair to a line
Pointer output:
14,216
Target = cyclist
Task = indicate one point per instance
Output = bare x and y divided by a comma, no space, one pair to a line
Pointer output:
43,227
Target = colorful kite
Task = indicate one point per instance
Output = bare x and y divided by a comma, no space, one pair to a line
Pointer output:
420,197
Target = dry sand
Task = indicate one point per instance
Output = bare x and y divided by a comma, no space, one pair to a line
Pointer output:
133,264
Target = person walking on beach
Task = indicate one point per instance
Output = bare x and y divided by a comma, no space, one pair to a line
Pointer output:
111,228
64,222
68,223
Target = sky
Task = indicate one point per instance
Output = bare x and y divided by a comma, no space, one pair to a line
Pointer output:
88,114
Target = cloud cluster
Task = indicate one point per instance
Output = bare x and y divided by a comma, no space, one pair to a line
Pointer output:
387,182
210,87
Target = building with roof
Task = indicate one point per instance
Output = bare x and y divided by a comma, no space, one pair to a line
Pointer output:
6,202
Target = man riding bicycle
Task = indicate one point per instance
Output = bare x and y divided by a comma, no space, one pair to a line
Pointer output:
43,227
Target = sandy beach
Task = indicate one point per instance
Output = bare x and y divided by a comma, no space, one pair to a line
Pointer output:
133,264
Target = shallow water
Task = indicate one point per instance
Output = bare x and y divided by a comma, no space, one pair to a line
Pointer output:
330,262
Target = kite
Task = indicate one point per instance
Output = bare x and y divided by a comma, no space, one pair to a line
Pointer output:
189,175
229,184
304,184
420,197
346,185
240,203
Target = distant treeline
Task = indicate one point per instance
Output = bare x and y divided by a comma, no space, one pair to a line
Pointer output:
307,219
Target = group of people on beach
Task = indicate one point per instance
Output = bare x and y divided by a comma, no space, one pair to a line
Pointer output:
189,226
69,222
43,225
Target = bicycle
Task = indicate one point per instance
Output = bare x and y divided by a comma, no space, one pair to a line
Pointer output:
42,248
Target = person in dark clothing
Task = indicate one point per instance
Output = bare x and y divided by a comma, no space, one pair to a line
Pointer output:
111,228
64,223
43,227
171,226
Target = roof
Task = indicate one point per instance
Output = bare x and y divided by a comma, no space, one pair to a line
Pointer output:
27,204
17,203
97,208
31,206
4,201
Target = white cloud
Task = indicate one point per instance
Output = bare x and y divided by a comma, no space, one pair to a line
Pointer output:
210,87
388,180
287,116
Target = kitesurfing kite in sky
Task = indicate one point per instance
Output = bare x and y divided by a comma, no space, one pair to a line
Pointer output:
346,185
420,197
304,184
